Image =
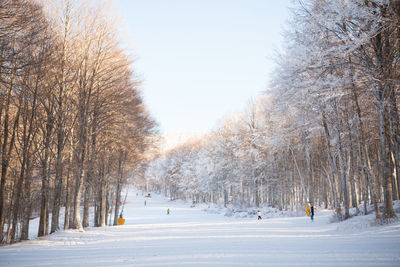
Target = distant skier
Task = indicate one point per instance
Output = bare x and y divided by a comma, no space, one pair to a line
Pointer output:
145,203
259,215
312,212
168,211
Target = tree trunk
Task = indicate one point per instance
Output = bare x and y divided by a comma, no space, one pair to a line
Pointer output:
108,205
44,209
380,44
395,146
386,176
365,158
77,199
351,167
27,204
117,201
342,167
86,205
5,160
80,173
58,179
17,199
331,166
71,203
67,202
256,193
310,190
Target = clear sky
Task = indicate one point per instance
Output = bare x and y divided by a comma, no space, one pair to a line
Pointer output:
201,59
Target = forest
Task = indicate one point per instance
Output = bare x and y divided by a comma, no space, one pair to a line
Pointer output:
73,122
75,130
326,131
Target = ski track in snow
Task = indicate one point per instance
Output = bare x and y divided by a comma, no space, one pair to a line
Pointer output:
192,237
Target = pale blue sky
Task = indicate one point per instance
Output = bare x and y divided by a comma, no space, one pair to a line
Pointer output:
201,59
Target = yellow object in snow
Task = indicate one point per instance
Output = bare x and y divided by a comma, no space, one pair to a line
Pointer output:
308,210
121,221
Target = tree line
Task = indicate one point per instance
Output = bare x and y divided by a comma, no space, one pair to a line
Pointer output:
327,130
73,123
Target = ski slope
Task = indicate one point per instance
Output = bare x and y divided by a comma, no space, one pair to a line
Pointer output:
192,237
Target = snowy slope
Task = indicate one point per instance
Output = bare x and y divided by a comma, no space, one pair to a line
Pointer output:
191,237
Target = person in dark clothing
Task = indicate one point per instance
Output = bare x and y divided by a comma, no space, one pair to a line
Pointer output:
259,215
312,212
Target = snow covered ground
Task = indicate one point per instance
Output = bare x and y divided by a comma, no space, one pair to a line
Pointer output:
192,237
